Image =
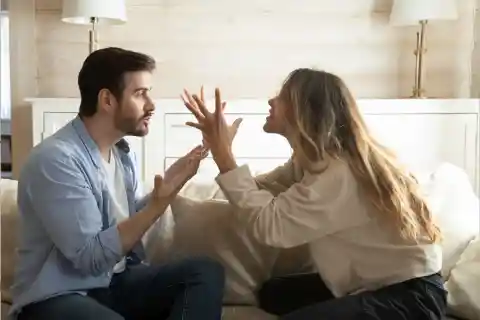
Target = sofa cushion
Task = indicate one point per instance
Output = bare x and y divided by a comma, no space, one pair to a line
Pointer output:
463,284
456,209
208,228
9,222
448,190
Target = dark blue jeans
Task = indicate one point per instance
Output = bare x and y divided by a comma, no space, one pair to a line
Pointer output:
305,297
190,289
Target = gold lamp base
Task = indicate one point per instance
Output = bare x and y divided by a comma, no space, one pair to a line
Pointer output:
418,91
93,35
418,94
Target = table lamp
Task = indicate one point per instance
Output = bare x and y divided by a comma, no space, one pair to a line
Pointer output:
94,13
420,12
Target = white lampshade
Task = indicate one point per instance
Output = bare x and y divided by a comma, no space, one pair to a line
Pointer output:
106,11
410,12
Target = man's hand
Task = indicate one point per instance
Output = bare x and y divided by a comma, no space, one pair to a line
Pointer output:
179,173
164,191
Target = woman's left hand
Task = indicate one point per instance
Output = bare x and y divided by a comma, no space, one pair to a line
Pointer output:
216,132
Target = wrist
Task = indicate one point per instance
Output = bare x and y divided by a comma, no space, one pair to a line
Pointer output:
224,159
157,205
222,152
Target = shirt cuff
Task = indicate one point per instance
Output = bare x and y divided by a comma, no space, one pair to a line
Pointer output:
236,183
111,245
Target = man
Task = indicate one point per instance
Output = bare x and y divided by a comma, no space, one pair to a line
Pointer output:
80,255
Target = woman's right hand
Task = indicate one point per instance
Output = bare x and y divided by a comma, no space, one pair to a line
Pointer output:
216,133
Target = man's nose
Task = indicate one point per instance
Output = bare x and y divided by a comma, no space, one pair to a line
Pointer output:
150,105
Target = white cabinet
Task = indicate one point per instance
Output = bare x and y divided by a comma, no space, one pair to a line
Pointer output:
252,146
52,121
423,133
251,141
423,141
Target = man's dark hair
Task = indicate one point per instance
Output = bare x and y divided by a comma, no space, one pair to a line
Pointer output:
105,69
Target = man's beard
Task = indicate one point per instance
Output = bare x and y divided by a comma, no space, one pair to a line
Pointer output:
132,126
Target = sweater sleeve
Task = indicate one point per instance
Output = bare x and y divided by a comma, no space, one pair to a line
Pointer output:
312,208
278,180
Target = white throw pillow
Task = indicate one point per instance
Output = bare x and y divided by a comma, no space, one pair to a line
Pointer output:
208,228
159,238
455,207
248,264
464,284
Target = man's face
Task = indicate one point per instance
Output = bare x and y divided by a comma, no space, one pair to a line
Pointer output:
135,109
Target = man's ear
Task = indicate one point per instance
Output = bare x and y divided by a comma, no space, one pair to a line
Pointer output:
106,101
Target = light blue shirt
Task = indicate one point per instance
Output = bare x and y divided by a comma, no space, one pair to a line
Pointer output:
69,241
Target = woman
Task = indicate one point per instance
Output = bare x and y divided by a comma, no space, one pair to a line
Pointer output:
370,232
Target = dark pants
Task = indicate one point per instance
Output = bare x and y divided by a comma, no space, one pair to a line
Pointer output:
189,289
301,297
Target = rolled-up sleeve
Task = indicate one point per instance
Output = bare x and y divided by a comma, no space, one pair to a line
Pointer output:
141,198
310,209
141,201
67,208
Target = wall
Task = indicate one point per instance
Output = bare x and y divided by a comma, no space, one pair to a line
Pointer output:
475,88
23,75
246,47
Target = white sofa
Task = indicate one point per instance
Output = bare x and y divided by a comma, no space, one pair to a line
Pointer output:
194,228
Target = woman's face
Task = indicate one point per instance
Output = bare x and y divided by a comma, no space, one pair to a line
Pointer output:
276,121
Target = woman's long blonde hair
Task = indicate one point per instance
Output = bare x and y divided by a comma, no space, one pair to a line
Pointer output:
325,121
